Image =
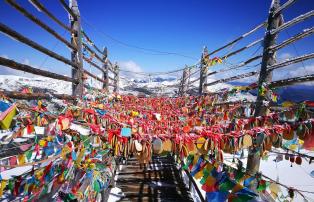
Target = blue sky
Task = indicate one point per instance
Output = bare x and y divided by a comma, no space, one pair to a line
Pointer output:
181,26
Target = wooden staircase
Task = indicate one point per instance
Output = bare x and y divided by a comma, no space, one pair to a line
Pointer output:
159,181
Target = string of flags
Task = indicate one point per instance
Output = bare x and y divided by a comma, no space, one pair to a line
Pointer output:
72,149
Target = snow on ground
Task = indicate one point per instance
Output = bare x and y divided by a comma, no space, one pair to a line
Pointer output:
296,176
127,86
115,194
10,173
13,83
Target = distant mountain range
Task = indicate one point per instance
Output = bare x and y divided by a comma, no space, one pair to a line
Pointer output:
296,93
154,79
165,86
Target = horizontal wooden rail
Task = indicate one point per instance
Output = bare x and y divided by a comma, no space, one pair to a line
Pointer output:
42,8
241,76
291,61
93,44
291,81
26,68
39,23
193,81
197,71
5,29
292,22
68,9
284,6
93,53
239,38
236,66
94,76
93,64
303,34
36,96
243,48
110,66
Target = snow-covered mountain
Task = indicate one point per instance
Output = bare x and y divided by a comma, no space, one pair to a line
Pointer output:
153,87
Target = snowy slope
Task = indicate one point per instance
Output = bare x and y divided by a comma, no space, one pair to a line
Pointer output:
127,86
14,83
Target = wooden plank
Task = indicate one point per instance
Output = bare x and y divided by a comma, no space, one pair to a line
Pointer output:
291,81
26,68
39,22
243,48
7,30
292,22
93,44
93,52
241,76
284,6
93,64
110,66
236,66
42,8
239,38
291,61
159,180
94,76
36,96
303,34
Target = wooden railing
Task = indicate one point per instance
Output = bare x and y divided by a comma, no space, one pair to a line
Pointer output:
98,60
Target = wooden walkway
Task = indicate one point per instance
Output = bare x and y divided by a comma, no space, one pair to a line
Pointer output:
160,181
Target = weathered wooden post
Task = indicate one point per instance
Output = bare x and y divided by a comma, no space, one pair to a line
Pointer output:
76,55
184,82
189,77
116,78
106,69
203,71
269,58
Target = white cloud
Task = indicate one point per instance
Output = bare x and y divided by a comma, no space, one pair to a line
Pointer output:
5,56
132,67
295,70
284,56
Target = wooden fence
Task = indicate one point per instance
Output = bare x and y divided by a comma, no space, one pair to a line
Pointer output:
98,58
268,62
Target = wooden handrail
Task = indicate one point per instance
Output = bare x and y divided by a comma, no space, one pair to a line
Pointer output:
39,23
26,68
7,30
239,38
35,96
42,8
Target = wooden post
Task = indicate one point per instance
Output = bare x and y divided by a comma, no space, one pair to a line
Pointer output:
184,82
274,21
116,78
189,78
203,71
76,55
106,70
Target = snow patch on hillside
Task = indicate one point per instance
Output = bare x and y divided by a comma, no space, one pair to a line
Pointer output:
127,86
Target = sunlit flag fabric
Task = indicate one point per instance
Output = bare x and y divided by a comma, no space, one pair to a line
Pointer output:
7,112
